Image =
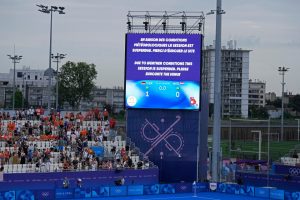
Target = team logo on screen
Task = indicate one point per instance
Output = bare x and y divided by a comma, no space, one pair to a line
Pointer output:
131,101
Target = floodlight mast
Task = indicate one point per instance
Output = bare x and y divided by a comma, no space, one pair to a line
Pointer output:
282,71
15,59
57,58
47,10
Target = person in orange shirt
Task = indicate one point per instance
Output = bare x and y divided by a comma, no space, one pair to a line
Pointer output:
11,126
83,132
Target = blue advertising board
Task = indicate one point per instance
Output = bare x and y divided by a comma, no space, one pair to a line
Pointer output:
8,195
277,194
25,194
51,180
291,195
246,190
262,192
64,193
167,188
44,194
183,188
229,188
163,71
118,191
135,190
151,189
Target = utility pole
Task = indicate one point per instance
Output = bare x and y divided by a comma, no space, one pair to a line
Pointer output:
282,71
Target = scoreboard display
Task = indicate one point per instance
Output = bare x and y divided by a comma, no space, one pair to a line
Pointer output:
163,71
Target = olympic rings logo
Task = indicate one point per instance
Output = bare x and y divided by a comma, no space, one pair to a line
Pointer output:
45,194
294,171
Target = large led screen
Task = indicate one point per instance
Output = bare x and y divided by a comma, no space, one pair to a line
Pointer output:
163,71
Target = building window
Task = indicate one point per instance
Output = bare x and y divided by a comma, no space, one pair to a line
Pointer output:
35,77
28,77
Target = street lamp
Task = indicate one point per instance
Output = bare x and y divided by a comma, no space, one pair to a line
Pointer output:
15,59
217,94
282,71
57,59
49,71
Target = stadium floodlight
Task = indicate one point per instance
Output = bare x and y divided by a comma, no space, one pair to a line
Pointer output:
146,25
282,71
183,26
47,10
129,26
57,58
15,59
199,26
164,23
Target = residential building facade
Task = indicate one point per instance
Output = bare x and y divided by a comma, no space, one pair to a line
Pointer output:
235,78
257,90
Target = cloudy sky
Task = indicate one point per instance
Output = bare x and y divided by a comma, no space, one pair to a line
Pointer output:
94,31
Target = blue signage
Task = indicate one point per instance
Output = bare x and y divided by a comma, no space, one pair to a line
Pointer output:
82,193
291,195
135,190
277,194
44,194
118,191
246,190
64,193
262,192
8,195
151,189
163,71
184,188
24,194
167,188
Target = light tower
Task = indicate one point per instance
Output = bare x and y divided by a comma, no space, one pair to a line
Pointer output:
15,59
57,58
282,71
49,71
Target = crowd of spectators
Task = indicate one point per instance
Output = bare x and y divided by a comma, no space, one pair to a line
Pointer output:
70,138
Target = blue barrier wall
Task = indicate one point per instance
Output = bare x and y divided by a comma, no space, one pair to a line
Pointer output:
288,183
153,189
285,169
89,178
170,139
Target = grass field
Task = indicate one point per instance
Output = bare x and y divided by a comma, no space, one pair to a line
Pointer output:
249,149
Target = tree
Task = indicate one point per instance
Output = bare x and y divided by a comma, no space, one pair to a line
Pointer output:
294,102
18,99
258,112
76,81
276,103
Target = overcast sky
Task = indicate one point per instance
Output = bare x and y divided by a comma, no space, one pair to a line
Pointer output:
93,31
